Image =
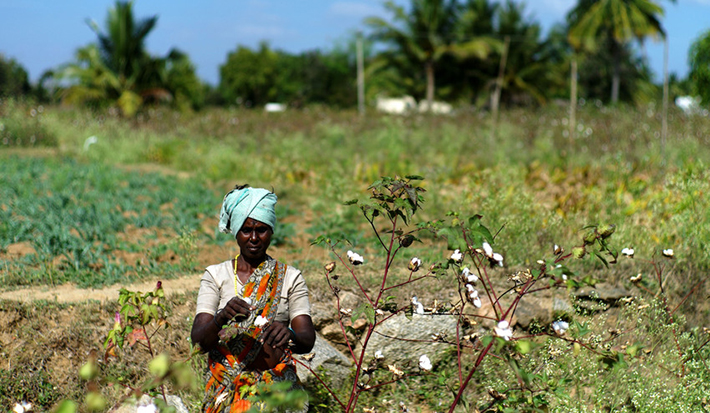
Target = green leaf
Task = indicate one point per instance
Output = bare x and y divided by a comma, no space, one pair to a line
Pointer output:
66,406
160,365
414,177
606,264
580,330
350,202
523,346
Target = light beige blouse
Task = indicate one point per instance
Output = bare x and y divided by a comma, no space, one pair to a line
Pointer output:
217,288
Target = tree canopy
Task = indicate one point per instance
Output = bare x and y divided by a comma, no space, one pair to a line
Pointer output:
613,23
699,59
118,69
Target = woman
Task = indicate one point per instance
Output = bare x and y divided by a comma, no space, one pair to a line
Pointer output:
245,306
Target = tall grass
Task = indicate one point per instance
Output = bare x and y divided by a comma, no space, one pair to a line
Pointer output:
528,178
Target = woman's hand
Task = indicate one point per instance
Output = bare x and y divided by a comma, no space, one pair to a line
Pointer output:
206,327
277,335
237,308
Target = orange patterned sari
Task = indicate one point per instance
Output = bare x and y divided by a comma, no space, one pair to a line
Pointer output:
230,385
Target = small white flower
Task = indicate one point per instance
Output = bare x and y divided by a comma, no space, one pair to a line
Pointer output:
503,330
261,321
424,362
457,256
668,253
488,249
379,355
355,258
560,327
629,252
414,264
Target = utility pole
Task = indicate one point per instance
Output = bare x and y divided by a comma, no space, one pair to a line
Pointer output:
573,99
360,76
664,121
495,99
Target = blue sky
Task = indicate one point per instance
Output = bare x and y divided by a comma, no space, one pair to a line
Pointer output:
42,34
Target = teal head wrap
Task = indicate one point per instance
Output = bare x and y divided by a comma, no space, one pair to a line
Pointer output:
240,204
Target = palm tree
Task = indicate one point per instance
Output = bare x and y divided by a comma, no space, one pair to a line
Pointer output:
423,35
617,20
123,45
534,66
119,69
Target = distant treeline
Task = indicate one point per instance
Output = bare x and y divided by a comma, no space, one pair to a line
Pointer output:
462,52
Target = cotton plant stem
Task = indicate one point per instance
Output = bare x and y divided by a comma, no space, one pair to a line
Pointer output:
354,393
387,261
332,393
340,321
464,383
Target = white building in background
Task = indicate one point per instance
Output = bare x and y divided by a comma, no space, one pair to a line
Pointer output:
396,106
275,107
688,104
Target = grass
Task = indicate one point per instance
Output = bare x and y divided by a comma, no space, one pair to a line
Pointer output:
142,202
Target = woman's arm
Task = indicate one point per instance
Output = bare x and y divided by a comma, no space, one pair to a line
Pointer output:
206,327
302,333
304,336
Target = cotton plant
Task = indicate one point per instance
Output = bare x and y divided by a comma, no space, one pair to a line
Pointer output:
488,291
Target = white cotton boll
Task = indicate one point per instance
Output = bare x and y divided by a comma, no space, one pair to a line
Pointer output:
261,321
498,258
503,330
355,258
477,302
424,362
629,252
488,249
668,253
379,355
470,288
469,276
560,327
418,307
457,256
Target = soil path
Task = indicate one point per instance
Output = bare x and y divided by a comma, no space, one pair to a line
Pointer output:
69,293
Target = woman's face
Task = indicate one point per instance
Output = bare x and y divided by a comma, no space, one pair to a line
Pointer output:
254,238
